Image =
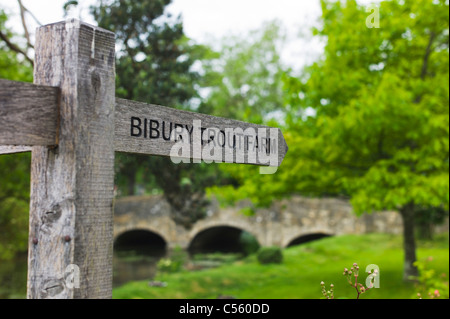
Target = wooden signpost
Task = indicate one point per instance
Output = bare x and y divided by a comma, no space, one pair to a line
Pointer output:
157,130
73,124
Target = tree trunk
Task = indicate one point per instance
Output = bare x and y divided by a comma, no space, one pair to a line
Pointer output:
187,206
425,230
409,243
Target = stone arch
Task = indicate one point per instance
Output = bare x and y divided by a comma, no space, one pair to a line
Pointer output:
205,224
142,238
163,226
306,237
206,231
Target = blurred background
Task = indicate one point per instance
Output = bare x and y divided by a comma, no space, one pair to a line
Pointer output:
360,90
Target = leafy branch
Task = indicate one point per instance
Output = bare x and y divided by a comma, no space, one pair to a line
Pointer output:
14,47
6,37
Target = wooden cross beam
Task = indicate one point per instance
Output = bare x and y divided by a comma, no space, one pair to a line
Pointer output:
32,119
28,114
73,124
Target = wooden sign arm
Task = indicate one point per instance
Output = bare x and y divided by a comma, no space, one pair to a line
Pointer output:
28,115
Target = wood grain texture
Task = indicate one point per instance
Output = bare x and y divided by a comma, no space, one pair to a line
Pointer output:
71,207
145,129
28,114
14,149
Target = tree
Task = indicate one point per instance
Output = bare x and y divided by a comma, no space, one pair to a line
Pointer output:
384,127
15,64
426,218
245,80
379,133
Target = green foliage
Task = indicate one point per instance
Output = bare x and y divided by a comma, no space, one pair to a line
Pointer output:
431,285
270,255
249,243
174,263
12,66
379,130
244,81
426,218
14,169
154,59
68,4
168,265
14,204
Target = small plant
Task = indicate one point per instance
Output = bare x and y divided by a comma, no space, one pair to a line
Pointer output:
329,294
173,263
352,275
270,255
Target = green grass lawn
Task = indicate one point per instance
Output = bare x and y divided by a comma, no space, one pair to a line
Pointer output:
299,276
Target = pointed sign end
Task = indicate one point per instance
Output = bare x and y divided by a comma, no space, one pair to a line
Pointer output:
284,148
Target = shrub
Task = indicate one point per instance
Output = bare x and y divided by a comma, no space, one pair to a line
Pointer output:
429,284
249,243
174,263
168,265
270,255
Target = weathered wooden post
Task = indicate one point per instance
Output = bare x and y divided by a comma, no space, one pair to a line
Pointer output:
71,208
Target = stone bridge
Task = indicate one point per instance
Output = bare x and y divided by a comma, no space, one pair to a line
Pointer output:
287,222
